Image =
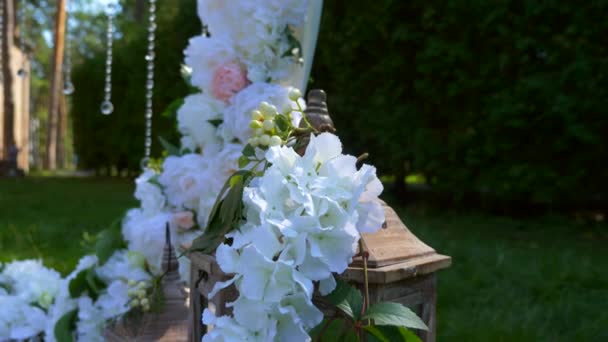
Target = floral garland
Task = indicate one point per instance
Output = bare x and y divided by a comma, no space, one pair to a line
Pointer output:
250,57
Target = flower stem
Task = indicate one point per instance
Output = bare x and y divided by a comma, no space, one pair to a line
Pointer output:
365,255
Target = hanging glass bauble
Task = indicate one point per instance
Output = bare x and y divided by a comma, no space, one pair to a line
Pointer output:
68,88
107,108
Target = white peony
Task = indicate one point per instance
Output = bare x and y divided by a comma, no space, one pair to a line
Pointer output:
193,119
204,55
149,194
185,179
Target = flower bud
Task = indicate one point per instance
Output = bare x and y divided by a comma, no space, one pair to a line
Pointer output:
131,282
295,94
265,140
141,285
256,115
268,125
146,307
144,302
275,140
131,293
268,110
255,124
253,141
141,294
257,132
286,109
134,303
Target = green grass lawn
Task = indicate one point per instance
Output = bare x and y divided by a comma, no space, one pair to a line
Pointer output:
543,279
47,217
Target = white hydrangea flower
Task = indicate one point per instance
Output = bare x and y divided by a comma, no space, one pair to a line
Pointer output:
225,329
33,282
91,321
64,303
146,235
193,120
114,301
124,265
302,225
19,320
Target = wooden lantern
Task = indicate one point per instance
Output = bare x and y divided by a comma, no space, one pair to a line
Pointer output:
401,268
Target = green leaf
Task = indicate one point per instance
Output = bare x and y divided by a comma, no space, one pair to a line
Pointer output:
170,148
248,150
172,108
337,329
388,313
389,333
216,122
243,161
281,122
347,299
107,242
65,326
78,285
94,284
233,202
225,213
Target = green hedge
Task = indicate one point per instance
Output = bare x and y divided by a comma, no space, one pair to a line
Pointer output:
505,98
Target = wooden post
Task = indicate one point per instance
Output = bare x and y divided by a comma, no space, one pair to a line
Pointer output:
56,87
7,83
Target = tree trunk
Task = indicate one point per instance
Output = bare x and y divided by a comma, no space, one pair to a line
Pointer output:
56,87
8,36
62,131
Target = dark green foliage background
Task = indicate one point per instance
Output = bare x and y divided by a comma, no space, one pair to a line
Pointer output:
501,98
504,98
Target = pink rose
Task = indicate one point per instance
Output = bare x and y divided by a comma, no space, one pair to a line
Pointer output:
184,220
228,79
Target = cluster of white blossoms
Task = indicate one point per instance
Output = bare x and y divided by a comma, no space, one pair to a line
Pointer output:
303,222
240,65
27,291
122,274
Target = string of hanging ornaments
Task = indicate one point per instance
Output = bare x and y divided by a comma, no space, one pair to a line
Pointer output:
22,15
106,106
68,86
149,82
